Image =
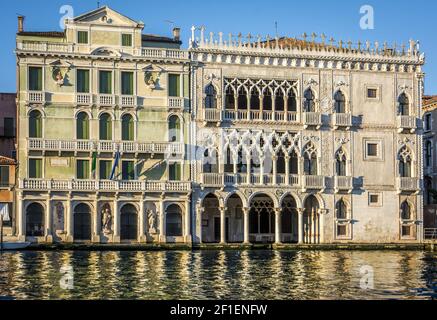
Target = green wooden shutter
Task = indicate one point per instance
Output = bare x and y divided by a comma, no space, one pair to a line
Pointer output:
127,128
35,125
126,40
105,82
35,168
4,175
105,127
35,78
128,170
83,169
82,37
127,83
82,126
174,89
83,81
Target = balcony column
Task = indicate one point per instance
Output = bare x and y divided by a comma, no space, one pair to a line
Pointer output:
188,221
275,170
278,231
162,233
246,225
300,165
222,225
116,237
261,105
300,212
248,107
286,108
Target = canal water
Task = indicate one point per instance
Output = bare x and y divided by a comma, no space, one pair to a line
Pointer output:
218,275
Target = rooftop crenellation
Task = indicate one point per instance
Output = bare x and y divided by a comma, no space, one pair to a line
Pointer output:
312,43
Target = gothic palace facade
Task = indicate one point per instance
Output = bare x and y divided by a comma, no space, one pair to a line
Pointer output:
125,137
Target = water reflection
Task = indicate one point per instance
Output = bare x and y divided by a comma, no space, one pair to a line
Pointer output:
216,275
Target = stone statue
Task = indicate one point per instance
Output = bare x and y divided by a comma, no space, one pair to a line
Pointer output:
59,222
106,220
152,221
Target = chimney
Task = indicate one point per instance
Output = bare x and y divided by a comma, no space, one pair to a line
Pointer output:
177,34
20,23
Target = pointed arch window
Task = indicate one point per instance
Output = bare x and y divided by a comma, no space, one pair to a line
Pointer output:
254,99
310,160
404,105
342,219
127,128
82,126
35,124
230,98
405,160
105,127
340,102
267,100
341,210
242,98
279,100
341,163
229,164
407,223
210,161
210,97
309,102
428,153
293,163
280,163
291,101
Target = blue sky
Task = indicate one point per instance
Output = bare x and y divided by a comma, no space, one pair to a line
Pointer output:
395,21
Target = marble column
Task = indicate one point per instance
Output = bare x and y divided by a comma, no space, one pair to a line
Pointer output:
96,224
246,225
300,212
275,170
70,222
116,215
162,231
278,231
141,237
199,215
222,225
48,222
187,221
21,218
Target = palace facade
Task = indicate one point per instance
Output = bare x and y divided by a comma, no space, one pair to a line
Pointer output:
125,137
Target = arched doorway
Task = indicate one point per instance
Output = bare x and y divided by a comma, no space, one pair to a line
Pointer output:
128,223
82,222
211,219
174,221
235,219
311,220
262,219
35,220
289,220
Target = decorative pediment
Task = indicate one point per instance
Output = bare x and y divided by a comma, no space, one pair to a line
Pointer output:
105,51
107,16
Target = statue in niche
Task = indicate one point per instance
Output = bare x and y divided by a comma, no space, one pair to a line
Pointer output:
106,219
59,222
152,221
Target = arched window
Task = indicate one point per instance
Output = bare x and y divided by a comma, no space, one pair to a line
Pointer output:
280,163
174,221
405,211
230,98
309,103
340,102
174,128
404,105
267,100
341,210
291,102
340,163
342,215
254,99
279,100
229,164
82,126
210,161
35,220
210,97
428,153
127,128
405,162
105,125
35,124
310,160
406,220
242,98
293,163
242,162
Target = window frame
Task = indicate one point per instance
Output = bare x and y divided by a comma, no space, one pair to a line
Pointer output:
89,80
380,149
133,82
99,81
42,167
6,183
42,77
100,168
133,170
180,85
89,168
373,204
87,37
5,133
131,39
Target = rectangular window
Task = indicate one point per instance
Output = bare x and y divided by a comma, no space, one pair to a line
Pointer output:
372,149
374,198
9,130
105,169
4,176
105,82
372,93
35,78
174,85
341,230
82,37
35,168
428,122
126,40
175,172
83,81
128,170
127,83
83,169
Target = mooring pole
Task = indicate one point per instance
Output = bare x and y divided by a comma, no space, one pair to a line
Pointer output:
1,234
